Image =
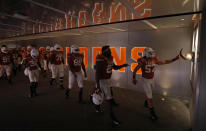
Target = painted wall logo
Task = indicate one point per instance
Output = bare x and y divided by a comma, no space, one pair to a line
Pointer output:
101,13
119,56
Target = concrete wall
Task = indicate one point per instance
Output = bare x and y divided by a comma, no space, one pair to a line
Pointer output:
172,80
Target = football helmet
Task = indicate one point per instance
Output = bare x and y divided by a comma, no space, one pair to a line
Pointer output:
4,49
57,47
74,49
106,51
51,48
34,53
47,48
29,47
97,98
23,48
149,52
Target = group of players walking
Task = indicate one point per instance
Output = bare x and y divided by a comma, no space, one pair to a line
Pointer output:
52,59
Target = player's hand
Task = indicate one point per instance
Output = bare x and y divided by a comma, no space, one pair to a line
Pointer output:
125,65
134,81
98,90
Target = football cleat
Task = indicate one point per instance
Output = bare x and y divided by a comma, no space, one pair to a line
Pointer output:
116,123
67,94
154,117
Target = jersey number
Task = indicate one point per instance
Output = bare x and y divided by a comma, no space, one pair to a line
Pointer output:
5,59
59,58
109,68
149,68
77,62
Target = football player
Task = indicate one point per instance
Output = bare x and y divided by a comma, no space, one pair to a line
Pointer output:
15,59
46,58
6,63
19,59
104,65
33,65
147,65
57,66
76,63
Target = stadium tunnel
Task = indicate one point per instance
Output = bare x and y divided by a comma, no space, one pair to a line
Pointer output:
167,27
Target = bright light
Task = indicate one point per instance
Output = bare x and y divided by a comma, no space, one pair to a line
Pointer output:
164,93
188,56
182,19
163,99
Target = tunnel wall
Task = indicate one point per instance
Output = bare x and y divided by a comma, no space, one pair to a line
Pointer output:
170,80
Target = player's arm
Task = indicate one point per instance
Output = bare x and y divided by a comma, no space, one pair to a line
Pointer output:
84,69
25,63
98,72
162,62
135,71
39,64
117,67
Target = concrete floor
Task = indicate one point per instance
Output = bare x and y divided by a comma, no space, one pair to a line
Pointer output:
51,111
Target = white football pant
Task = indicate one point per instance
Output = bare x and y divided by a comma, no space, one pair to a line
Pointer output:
57,70
105,85
33,75
6,68
79,79
148,84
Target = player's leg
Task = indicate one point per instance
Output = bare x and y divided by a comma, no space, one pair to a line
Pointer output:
36,79
148,84
70,83
32,83
105,87
8,69
61,75
1,72
80,85
54,74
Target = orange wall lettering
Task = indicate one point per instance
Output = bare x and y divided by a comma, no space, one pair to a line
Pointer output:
119,60
34,28
142,8
135,54
117,13
99,13
83,18
95,51
85,51
58,24
70,19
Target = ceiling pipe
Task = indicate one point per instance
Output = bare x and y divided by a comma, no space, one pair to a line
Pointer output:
131,9
25,19
54,9
11,25
9,30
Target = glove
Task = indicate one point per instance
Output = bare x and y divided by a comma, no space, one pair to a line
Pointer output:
125,65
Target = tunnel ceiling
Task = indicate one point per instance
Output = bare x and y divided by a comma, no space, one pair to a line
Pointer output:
23,17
